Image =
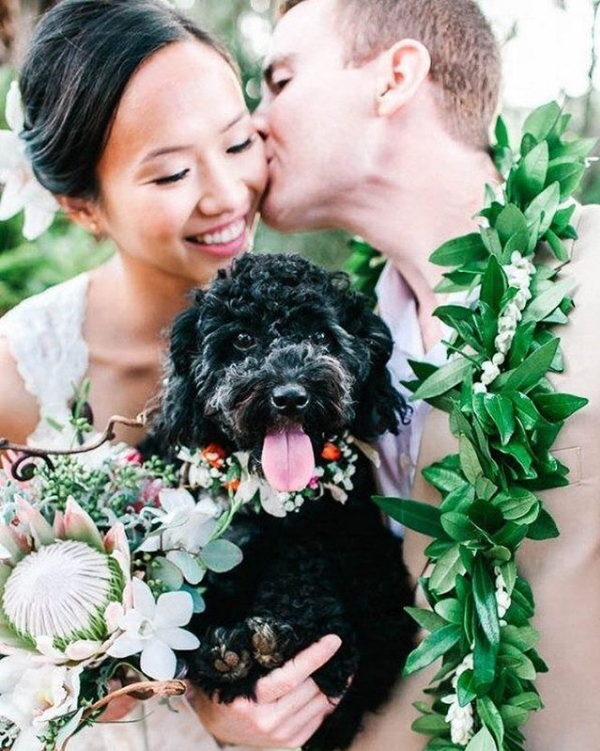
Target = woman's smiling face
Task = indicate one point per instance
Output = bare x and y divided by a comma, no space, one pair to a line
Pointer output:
183,169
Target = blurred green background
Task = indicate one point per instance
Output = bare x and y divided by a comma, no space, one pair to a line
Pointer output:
550,50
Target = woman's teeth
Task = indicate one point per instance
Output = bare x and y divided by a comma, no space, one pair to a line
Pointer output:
221,238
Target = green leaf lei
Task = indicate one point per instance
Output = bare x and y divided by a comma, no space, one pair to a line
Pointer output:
506,416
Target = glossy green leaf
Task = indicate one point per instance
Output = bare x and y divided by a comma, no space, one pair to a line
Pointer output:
430,724
568,176
533,169
548,301
445,571
491,718
515,503
542,121
460,250
450,609
485,602
544,206
444,379
501,411
432,648
543,528
469,461
482,741
493,285
525,376
427,619
466,688
510,222
418,516
555,407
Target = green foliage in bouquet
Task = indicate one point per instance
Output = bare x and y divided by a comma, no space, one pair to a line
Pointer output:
506,416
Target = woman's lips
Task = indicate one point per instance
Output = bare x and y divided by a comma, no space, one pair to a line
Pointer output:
224,242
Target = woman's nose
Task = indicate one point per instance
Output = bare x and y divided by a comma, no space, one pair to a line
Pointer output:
260,118
223,192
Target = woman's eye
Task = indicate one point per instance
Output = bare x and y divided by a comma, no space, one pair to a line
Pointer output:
172,178
244,341
238,148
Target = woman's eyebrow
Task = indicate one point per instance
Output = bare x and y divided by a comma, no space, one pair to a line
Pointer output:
235,120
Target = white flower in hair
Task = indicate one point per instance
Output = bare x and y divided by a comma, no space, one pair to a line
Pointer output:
22,192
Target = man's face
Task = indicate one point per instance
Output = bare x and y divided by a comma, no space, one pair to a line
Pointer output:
315,117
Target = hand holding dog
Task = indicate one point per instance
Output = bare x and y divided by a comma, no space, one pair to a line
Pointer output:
289,706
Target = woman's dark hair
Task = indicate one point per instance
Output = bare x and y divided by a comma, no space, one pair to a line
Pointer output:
82,56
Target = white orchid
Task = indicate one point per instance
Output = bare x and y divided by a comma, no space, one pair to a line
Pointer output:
154,629
32,695
22,192
187,525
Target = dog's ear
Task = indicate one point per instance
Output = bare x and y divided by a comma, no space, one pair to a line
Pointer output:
380,406
180,420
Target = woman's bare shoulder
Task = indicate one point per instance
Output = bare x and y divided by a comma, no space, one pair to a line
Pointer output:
18,409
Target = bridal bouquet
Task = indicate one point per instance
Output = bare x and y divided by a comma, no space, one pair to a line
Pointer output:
102,559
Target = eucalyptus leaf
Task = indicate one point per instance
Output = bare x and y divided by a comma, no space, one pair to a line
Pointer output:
166,572
221,556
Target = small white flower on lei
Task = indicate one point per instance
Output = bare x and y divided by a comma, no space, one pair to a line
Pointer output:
22,192
519,271
154,629
459,718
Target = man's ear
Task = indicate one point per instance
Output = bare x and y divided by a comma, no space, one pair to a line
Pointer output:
401,71
82,211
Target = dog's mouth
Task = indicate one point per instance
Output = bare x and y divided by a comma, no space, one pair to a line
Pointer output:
288,459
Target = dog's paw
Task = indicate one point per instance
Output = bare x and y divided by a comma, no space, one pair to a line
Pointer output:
227,653
273,642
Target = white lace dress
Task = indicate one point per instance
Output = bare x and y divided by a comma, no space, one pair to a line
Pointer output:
45,337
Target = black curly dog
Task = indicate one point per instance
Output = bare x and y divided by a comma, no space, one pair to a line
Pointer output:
278,346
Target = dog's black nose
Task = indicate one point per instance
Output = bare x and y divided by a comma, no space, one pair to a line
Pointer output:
289,399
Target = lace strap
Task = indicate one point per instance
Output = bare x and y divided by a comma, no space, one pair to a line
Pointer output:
45,337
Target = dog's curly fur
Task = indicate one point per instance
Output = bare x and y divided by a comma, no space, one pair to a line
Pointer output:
271,322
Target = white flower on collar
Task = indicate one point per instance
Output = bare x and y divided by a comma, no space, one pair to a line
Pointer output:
22,192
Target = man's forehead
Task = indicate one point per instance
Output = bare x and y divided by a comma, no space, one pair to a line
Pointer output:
302,31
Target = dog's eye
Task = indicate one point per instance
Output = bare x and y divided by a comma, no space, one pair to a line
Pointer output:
244,340
320,337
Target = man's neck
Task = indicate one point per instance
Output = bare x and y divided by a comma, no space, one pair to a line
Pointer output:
413,207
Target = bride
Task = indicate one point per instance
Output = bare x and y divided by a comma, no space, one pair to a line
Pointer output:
135,121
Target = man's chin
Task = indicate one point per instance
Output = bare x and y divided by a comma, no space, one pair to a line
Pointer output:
283,215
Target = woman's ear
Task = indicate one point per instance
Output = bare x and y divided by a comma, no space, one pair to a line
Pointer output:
402,69
83,212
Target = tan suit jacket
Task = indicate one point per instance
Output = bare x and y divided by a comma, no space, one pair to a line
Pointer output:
565,572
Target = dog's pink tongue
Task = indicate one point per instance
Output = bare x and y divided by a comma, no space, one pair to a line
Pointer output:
288,460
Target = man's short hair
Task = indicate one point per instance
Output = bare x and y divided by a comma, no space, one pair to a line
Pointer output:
465,57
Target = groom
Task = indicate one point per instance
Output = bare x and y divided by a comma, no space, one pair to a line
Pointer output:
376,119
